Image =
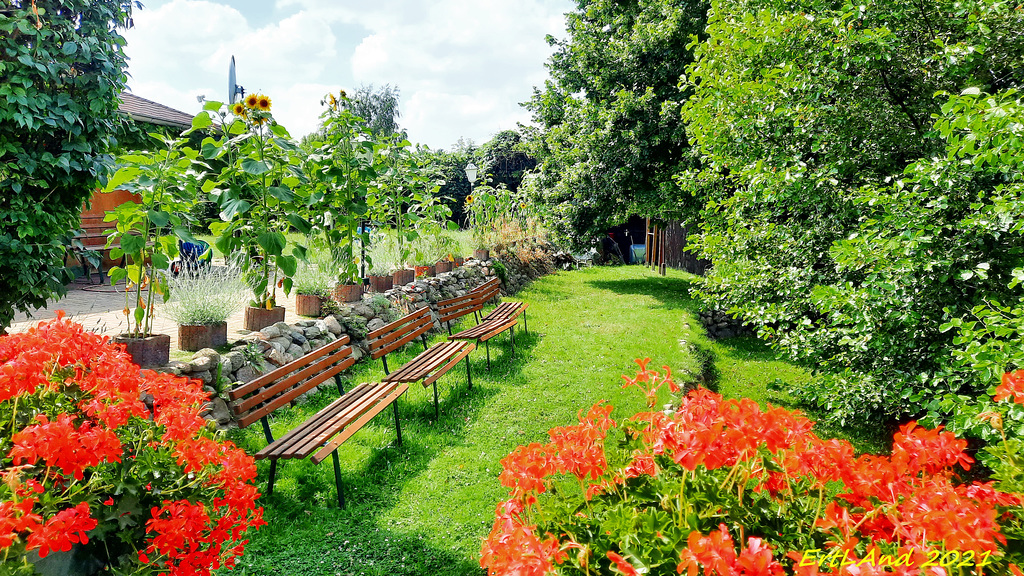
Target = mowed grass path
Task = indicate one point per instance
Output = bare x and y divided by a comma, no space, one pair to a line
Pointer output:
423,508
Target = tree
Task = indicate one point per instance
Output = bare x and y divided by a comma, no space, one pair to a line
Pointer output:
379,108
505,159
61,70
611,134
807,113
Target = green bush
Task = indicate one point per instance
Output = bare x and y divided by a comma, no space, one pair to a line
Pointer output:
61,70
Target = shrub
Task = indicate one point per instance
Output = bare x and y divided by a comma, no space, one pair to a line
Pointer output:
137,484
680,485
206,296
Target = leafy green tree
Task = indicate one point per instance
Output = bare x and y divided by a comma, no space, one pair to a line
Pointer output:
61,70
807,114
505,159
378,107
611,133
450,168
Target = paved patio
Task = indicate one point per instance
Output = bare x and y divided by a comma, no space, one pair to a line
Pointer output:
99,309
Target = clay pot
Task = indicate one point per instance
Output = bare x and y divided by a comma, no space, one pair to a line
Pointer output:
150,352
260,318
425,271
482,255
193,337
459,261
307,304
404,276
443,266
348,292
381,283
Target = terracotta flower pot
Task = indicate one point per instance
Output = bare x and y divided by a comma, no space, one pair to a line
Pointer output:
150,352
198,336
381,283
307,304
425,271
459,261
404,276
260,318
482,255
348,292
443,266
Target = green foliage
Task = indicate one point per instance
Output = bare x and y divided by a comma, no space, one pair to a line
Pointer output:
259,191
206,296
167,182
505,159
61,71
611,132
378,107
837,218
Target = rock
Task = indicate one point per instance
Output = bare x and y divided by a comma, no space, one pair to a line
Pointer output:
284,328
168,370
205,376
332,325
225,368
277,357
313,332
210,390
357,353
305,323
363,310
220,412
298,338
281,344
306,347
246,374
374,324
206,352
295,351
271,332
204,363
726,333
237,359
182,367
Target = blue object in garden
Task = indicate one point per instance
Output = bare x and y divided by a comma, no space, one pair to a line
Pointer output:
192,256
639,253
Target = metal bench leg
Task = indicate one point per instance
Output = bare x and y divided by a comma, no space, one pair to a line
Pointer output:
384,359
273,476
341,388
469,376
525,327
423,338
337,479
512,338
398,425
437,410
487,344
449,323
477,316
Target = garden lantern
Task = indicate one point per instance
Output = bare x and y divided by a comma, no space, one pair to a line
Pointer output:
471,172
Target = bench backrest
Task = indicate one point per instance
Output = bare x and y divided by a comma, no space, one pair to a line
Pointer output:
487,291
399,333
455,308
258,398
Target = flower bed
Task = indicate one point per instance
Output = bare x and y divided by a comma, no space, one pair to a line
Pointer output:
116,462
682,484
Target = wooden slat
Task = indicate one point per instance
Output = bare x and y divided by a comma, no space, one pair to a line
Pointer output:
395,340
430,379
316,374
354,427
285,446
287,397
458,307
506,311
397,324
239,391
427,362
484,331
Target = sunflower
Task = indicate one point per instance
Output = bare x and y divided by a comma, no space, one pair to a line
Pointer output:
251,100
238,109
469,199
342,94
263,103
332,101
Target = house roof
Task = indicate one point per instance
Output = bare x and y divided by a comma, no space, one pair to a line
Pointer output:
142,110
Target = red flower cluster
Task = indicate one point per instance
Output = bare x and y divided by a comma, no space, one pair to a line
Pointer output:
89,428
1011,386
907,503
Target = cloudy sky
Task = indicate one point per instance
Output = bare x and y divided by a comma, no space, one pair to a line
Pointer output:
462,66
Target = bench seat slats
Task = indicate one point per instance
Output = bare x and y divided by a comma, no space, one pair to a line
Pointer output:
352,428
484,331
435,361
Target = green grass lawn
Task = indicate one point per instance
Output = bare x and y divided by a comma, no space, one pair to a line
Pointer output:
424,507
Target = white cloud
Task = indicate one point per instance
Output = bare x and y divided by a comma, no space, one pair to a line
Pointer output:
462,65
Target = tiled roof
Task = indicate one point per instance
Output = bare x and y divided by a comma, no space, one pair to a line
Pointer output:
142,110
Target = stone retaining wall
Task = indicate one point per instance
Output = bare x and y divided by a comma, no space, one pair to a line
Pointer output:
281,343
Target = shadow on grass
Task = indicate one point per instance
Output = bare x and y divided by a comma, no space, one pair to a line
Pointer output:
671,292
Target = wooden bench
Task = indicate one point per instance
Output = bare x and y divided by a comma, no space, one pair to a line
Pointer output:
504,317
430,364
325,431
